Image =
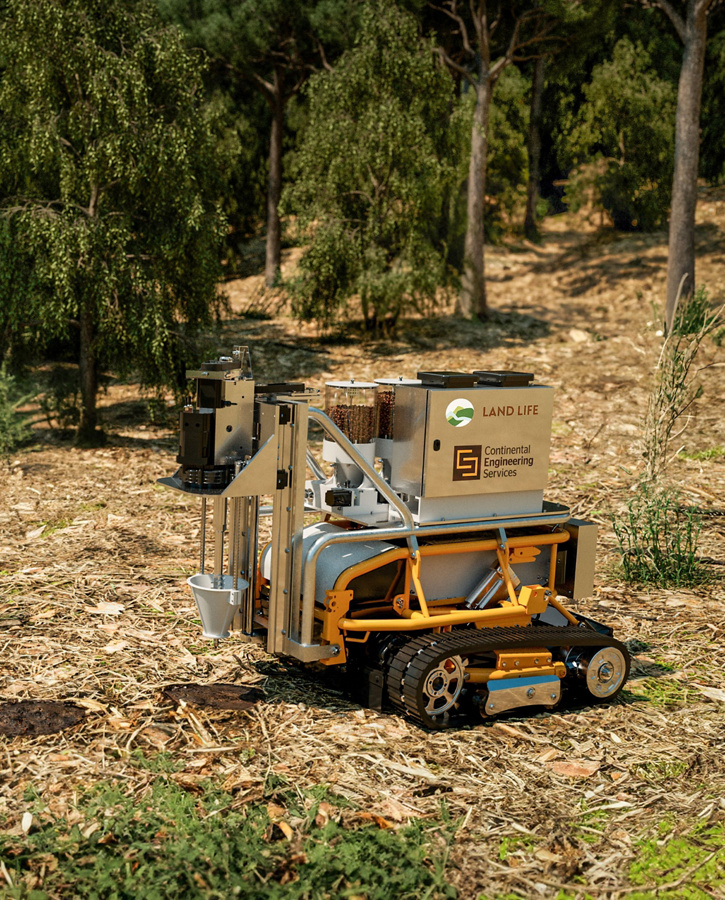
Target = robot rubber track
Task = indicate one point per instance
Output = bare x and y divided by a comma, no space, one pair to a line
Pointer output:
416,660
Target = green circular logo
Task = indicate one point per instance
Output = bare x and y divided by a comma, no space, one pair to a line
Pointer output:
459,413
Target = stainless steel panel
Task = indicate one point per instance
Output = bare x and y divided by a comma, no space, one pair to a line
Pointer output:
479,506
510,693
259,475
581,550
233,424
502,445
411,405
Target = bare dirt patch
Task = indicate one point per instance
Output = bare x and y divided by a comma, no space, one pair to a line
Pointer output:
94,609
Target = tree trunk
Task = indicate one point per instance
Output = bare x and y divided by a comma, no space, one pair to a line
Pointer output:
274,187
472,298
681,258
88,376
532,192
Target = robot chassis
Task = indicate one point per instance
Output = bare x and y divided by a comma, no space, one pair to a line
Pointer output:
435,576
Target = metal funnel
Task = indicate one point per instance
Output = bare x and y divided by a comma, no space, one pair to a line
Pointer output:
216,605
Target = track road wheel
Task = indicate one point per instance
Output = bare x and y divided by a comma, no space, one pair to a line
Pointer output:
398,666
433,689
604,671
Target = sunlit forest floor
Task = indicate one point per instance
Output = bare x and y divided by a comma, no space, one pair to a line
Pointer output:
590,802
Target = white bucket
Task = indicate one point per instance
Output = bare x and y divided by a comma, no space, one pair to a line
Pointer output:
216,606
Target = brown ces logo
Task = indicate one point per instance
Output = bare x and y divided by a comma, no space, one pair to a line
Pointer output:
467,463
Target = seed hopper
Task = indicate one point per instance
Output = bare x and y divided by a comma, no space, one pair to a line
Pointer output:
419,555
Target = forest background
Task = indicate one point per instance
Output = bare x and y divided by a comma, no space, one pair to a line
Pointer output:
147,156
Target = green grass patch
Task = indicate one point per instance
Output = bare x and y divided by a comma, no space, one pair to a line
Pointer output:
169,842
664,692
510,843
703,455
686,861
657,771
592,824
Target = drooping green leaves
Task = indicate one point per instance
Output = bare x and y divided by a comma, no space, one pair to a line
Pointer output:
621,140
371,173
107,179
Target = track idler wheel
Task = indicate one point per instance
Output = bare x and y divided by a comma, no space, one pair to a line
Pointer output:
601,672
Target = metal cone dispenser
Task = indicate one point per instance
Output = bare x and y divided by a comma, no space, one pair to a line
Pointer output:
217,605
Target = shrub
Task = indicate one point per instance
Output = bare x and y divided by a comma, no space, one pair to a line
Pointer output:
14,429
658,537
372,168
621,141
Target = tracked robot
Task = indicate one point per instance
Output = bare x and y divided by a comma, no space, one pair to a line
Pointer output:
420,555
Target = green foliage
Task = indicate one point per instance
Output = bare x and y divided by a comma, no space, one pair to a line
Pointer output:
695,315
704,455
14,429
258,47
676,387
657,771
657,538
689,858
59,401
507,171
666,693
107,180
507,166
169,843
712,147
621,141
371,174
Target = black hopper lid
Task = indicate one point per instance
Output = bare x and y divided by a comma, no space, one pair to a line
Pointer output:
500,378
448,379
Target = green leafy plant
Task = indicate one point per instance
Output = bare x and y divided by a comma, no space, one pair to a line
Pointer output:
657,534
60,401
675,387
695,316
657,538
620,142
14,429
108,186
371,174
168,842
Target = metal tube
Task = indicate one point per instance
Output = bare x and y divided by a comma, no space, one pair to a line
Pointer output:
406,529
419,622
563,610
235,541
384,534
552,569
220,524
347,445
251,524
203,533
315,466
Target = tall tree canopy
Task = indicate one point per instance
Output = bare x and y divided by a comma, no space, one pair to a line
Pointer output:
689,19
622,139
372,169
479,40
107,193
275,45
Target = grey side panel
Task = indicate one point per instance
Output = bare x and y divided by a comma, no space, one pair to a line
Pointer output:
334,560
580,549
411,405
